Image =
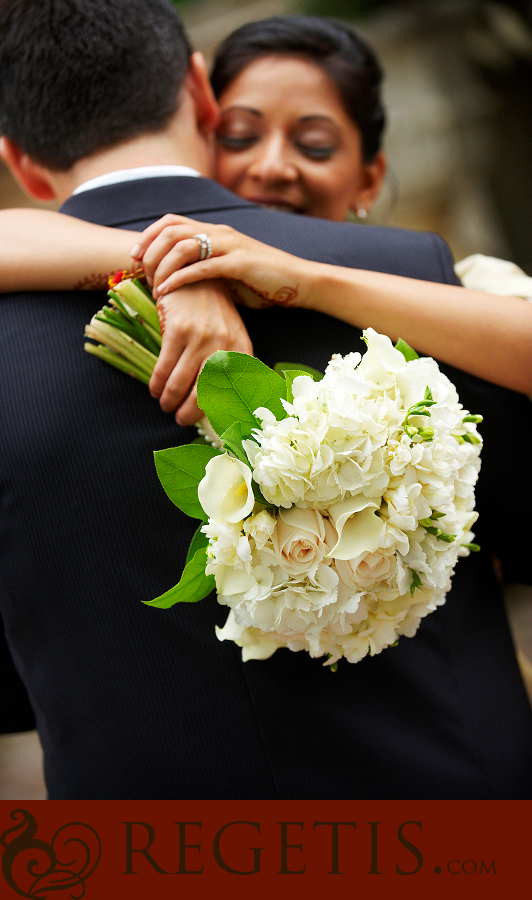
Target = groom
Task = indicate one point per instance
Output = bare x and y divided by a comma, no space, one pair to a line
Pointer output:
140,703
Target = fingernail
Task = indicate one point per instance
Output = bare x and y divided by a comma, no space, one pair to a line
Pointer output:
162,289
135,253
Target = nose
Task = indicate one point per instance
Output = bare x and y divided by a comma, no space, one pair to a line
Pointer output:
273,162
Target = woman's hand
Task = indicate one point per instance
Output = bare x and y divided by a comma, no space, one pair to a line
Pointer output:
257,275
196,320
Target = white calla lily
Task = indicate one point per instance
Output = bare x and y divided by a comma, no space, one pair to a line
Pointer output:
390,359
225,492
359,529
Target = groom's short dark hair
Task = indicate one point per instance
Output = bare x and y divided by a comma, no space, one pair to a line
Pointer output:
80,76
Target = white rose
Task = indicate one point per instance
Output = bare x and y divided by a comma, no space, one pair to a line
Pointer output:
225,492
364,571
301,539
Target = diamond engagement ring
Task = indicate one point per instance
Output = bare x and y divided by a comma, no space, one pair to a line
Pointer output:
205,246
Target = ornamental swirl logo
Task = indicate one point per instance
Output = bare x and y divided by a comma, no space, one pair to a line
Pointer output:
34,868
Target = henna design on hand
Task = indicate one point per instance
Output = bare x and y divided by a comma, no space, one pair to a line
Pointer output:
246,294
161,312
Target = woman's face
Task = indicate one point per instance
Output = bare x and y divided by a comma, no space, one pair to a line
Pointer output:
285,141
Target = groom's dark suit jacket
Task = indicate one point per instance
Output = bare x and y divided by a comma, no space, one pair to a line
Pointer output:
133,702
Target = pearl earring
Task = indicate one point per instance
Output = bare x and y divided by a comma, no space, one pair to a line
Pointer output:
362,212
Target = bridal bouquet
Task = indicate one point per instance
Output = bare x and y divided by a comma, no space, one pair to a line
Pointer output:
334,508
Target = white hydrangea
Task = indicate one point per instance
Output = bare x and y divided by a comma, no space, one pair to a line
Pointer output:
366,521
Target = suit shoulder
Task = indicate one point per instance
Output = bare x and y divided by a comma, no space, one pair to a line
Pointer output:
398,251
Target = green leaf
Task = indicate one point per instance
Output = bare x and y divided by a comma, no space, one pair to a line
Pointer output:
282,367
231,386
198,541
232,439
194,584
408,352
180,470
416,581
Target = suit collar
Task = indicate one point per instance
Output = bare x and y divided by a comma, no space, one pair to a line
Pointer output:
127,203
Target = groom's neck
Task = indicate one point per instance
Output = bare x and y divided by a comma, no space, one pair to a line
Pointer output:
173,146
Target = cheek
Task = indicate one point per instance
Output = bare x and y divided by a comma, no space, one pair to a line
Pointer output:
330,188
230,168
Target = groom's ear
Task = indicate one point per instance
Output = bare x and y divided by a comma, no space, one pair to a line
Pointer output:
205,103
31,177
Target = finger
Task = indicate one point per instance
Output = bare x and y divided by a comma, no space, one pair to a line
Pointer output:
183,255
189,412
180,381
152,231
173,239
165,365
167,281
227,261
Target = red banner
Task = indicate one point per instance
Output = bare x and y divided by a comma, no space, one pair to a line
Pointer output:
143,849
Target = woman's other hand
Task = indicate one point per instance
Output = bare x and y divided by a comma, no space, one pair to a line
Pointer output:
196,320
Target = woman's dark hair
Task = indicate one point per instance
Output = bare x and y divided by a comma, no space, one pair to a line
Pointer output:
79,76
333,46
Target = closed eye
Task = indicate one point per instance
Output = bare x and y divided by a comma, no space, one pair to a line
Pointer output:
315,152
235,143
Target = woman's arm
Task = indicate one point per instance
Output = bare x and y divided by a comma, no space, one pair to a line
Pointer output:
43,250
478,332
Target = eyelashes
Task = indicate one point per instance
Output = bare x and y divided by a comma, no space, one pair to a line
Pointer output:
235,143
315,153
244,143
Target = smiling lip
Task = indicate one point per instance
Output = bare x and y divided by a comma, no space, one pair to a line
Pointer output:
275,203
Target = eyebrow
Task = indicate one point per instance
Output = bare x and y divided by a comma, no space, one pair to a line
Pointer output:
317,116
259,114
248,109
